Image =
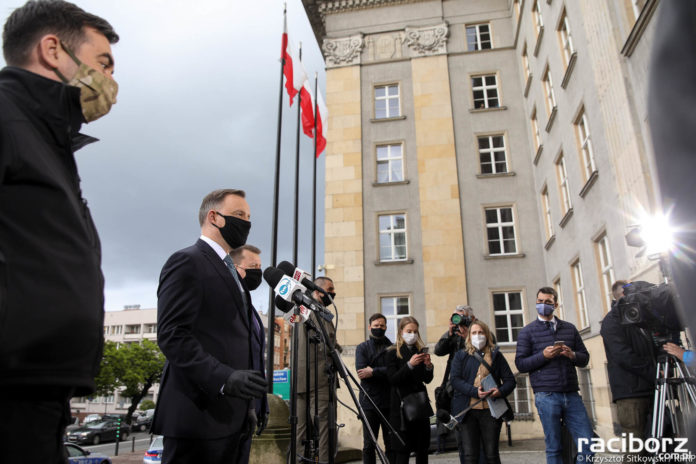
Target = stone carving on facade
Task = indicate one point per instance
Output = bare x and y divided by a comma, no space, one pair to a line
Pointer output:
335,6
344,51
431,40
384,47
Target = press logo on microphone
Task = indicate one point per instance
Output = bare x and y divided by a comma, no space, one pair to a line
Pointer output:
284,287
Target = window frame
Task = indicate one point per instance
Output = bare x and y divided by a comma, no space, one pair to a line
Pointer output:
485,89
537,19
580,297
508,313
395,316
549,95
584,141
491,151
392,234
565,37
386,99
478,44
522,385
605,268
546,209
388,161
560,309
500,225
563,185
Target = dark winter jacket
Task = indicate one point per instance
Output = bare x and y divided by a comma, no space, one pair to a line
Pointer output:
404,380
550,375
630,358
448,345
373,353
51,285
464,370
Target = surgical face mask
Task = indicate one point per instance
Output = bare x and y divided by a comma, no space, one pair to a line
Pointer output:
479,341
235,231
97,92
409,338
252,279
544,309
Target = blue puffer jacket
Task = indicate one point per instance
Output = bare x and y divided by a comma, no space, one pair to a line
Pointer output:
464,370
550,375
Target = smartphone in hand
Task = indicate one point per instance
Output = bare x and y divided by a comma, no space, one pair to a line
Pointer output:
425,350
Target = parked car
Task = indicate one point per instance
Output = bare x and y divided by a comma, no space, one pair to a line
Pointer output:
77,455
92,418
142,423
98,432
154,451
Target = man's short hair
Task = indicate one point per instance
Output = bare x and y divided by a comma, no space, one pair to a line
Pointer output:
376,316
549,291
319,279
616,286
464,309
236,254
214,199
28,23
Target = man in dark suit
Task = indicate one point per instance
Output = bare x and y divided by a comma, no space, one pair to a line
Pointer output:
206,329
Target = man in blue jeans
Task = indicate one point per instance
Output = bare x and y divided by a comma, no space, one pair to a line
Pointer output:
549,349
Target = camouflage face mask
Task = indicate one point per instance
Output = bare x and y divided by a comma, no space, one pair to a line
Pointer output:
97,92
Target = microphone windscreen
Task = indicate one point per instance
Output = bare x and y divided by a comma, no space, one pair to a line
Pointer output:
287,267
283,305
443,416
272,276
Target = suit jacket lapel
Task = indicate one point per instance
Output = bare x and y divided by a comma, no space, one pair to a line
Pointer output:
226,276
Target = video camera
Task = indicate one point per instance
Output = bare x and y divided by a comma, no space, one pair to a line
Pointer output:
653,308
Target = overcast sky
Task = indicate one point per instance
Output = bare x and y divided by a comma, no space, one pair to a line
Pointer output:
197,110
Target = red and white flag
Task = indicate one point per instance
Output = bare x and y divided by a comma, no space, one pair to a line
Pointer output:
307,106
292,68
322,124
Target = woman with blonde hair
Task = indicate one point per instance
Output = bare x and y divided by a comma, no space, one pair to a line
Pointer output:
479,429
409,369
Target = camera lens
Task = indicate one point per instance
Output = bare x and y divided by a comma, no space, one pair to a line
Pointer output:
456,319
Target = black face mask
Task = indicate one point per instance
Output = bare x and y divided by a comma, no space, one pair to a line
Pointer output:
378,333
235,230
253,278
325,298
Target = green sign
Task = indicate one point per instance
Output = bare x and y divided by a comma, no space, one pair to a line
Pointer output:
281,383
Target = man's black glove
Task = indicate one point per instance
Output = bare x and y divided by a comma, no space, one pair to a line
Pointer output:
251,423
262,423
245,384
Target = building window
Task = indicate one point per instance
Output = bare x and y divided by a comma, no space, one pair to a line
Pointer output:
546,208
580,301
522,397
585,385
485,90
387,101
567,48
525,64
538,20
516,9
637,6
132,329
535,131
562,174
548,92
150,328
509,316
116,329
492,154
390,163
582,132
394,309
606,270
500,229
392,237
560,310
478,37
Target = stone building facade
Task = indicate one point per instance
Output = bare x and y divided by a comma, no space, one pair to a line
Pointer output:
478,150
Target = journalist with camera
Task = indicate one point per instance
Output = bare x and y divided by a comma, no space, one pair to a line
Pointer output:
630,363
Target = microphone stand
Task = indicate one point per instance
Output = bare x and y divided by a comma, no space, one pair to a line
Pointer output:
340,367
293,394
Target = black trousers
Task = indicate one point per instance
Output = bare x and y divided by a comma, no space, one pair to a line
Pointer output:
369,453
185,451
417,439
34,427
480,430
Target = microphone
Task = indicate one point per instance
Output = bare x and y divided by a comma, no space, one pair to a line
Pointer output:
299,275
283,305
291,291
446,418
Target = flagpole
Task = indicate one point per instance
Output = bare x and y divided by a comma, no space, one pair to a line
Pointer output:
314,179
274,226
297,173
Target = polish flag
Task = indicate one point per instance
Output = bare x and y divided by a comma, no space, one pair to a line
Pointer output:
292,69
322,124
307,107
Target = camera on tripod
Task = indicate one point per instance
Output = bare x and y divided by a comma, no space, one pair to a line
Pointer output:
653,308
